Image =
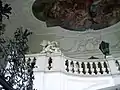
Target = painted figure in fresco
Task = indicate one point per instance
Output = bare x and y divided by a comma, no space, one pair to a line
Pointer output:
78,14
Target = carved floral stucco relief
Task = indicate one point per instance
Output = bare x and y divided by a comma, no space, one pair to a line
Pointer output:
77,45
85,42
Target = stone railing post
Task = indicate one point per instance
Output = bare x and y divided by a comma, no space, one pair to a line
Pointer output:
112,65
54,62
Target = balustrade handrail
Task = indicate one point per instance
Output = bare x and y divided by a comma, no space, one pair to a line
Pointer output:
85,60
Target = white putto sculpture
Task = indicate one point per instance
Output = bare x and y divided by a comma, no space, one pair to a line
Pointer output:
50,47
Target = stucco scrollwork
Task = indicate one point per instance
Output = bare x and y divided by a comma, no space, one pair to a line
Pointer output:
85,43
88,44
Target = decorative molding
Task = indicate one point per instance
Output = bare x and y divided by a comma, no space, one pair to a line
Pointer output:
85,44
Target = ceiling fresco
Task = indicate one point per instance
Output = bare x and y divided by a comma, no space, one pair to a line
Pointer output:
77,15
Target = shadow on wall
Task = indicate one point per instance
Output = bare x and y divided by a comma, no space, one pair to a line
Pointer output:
117,87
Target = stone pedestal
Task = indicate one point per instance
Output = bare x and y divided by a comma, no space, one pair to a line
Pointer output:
112,65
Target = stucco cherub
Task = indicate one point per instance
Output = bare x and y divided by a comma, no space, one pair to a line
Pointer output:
50,47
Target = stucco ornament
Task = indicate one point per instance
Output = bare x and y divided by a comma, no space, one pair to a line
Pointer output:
50,47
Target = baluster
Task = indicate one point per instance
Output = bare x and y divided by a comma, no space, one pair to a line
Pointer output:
94,67
119,68
100,67
89,68
117,64
72,65
78,67
103,68
92,70
34,62
83,66
67,65
49,63
106,68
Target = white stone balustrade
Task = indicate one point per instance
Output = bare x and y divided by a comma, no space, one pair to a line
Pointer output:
63,67
88,67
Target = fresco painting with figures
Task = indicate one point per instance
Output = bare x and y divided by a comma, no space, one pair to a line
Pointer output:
77,15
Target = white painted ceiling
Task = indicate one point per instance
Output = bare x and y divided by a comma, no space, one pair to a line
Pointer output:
73,44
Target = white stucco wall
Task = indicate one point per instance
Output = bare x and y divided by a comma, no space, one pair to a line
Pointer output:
61,81
58,79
